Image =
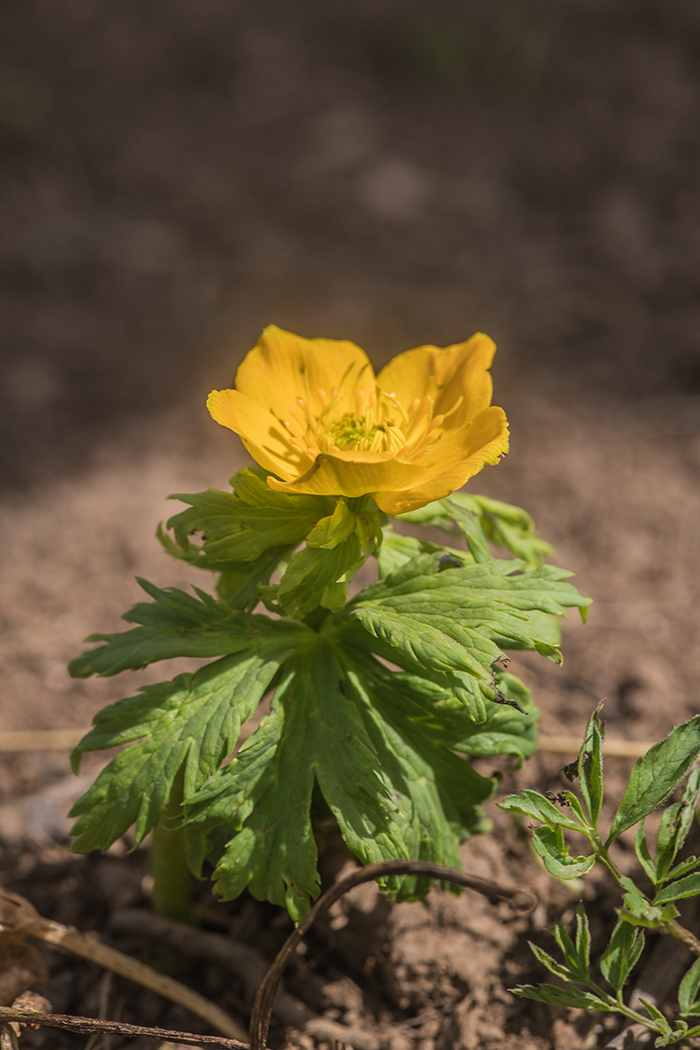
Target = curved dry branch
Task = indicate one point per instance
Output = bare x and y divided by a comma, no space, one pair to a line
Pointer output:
262,1010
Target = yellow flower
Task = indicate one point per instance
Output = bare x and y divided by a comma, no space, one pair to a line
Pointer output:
313,413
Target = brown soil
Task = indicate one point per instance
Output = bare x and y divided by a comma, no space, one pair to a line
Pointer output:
175,178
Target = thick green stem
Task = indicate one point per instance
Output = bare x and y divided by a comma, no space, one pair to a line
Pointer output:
172,895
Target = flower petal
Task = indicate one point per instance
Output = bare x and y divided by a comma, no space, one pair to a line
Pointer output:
283,366
354,474
260,432
457,370
449,465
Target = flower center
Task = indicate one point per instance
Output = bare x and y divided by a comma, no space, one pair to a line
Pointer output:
380,423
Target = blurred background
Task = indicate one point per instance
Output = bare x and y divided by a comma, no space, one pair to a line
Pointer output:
177,175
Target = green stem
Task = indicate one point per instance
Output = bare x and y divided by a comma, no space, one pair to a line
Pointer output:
672,926
172,895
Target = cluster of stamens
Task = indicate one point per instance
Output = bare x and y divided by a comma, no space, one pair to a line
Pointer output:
379,423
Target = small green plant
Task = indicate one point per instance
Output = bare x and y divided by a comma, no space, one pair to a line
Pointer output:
653,779
342,455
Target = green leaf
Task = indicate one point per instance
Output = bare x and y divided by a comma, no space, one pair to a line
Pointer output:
553,996
506,526
677,891
437,794
639,910
395,788
242,525
508,729
193,721
590,765
265,795
674,827
583,939
396,550
431,712
176,624
549,844
435,620
656,1016
334,529
642,850
318,576
566,946
564,972
683,868
239,585
470,522
622,954
532,804
479,518
688,992
324,739
679,1034
655,776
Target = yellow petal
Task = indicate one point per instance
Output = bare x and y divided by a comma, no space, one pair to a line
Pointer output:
457,370
260,432
450,464
283,366
354,474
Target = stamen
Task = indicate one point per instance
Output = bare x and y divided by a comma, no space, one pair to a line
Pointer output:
395,403
428,439
329,408
298,418
346,373
297,431
454,408
395,438
425,408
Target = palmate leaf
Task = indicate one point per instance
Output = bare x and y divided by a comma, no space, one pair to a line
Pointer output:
432,712
397,549
395,790
241,526
176,624
322,738
192,722
479,518
440,794
448,623
317,576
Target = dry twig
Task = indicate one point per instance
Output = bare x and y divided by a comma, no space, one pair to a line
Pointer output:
249,966
18,915
262,1010
87,1025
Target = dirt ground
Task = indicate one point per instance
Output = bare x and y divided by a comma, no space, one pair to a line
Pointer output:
176,176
